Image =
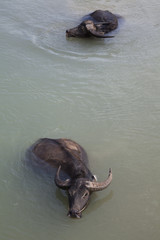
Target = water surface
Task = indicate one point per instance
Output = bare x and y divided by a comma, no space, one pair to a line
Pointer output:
102,93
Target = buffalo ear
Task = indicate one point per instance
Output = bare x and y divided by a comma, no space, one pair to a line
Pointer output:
94,177
99,34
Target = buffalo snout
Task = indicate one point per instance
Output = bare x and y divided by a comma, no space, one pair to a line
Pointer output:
74,214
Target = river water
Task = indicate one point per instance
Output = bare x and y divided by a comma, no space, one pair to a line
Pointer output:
102,93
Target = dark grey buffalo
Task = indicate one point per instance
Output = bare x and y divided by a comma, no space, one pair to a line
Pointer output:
71,158
96,24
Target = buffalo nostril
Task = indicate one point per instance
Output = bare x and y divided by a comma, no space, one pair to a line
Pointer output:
67,33
71,213
74,214
68,214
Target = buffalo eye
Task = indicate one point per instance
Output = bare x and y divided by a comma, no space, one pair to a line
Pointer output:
81,28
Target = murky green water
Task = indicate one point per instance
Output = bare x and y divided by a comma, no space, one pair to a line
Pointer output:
104,94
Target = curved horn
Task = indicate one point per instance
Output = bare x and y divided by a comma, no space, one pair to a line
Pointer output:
91,27
100,35
98,186
60,183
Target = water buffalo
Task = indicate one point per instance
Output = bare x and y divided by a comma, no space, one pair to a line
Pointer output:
69,156
96,24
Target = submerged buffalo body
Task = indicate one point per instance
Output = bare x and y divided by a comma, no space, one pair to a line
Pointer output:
96,24
67,155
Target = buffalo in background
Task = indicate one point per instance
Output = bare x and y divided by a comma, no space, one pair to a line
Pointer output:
96,24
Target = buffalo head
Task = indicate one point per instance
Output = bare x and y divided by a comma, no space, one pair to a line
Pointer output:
79,191
89,28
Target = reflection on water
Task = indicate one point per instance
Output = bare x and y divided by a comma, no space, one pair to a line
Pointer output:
102,93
